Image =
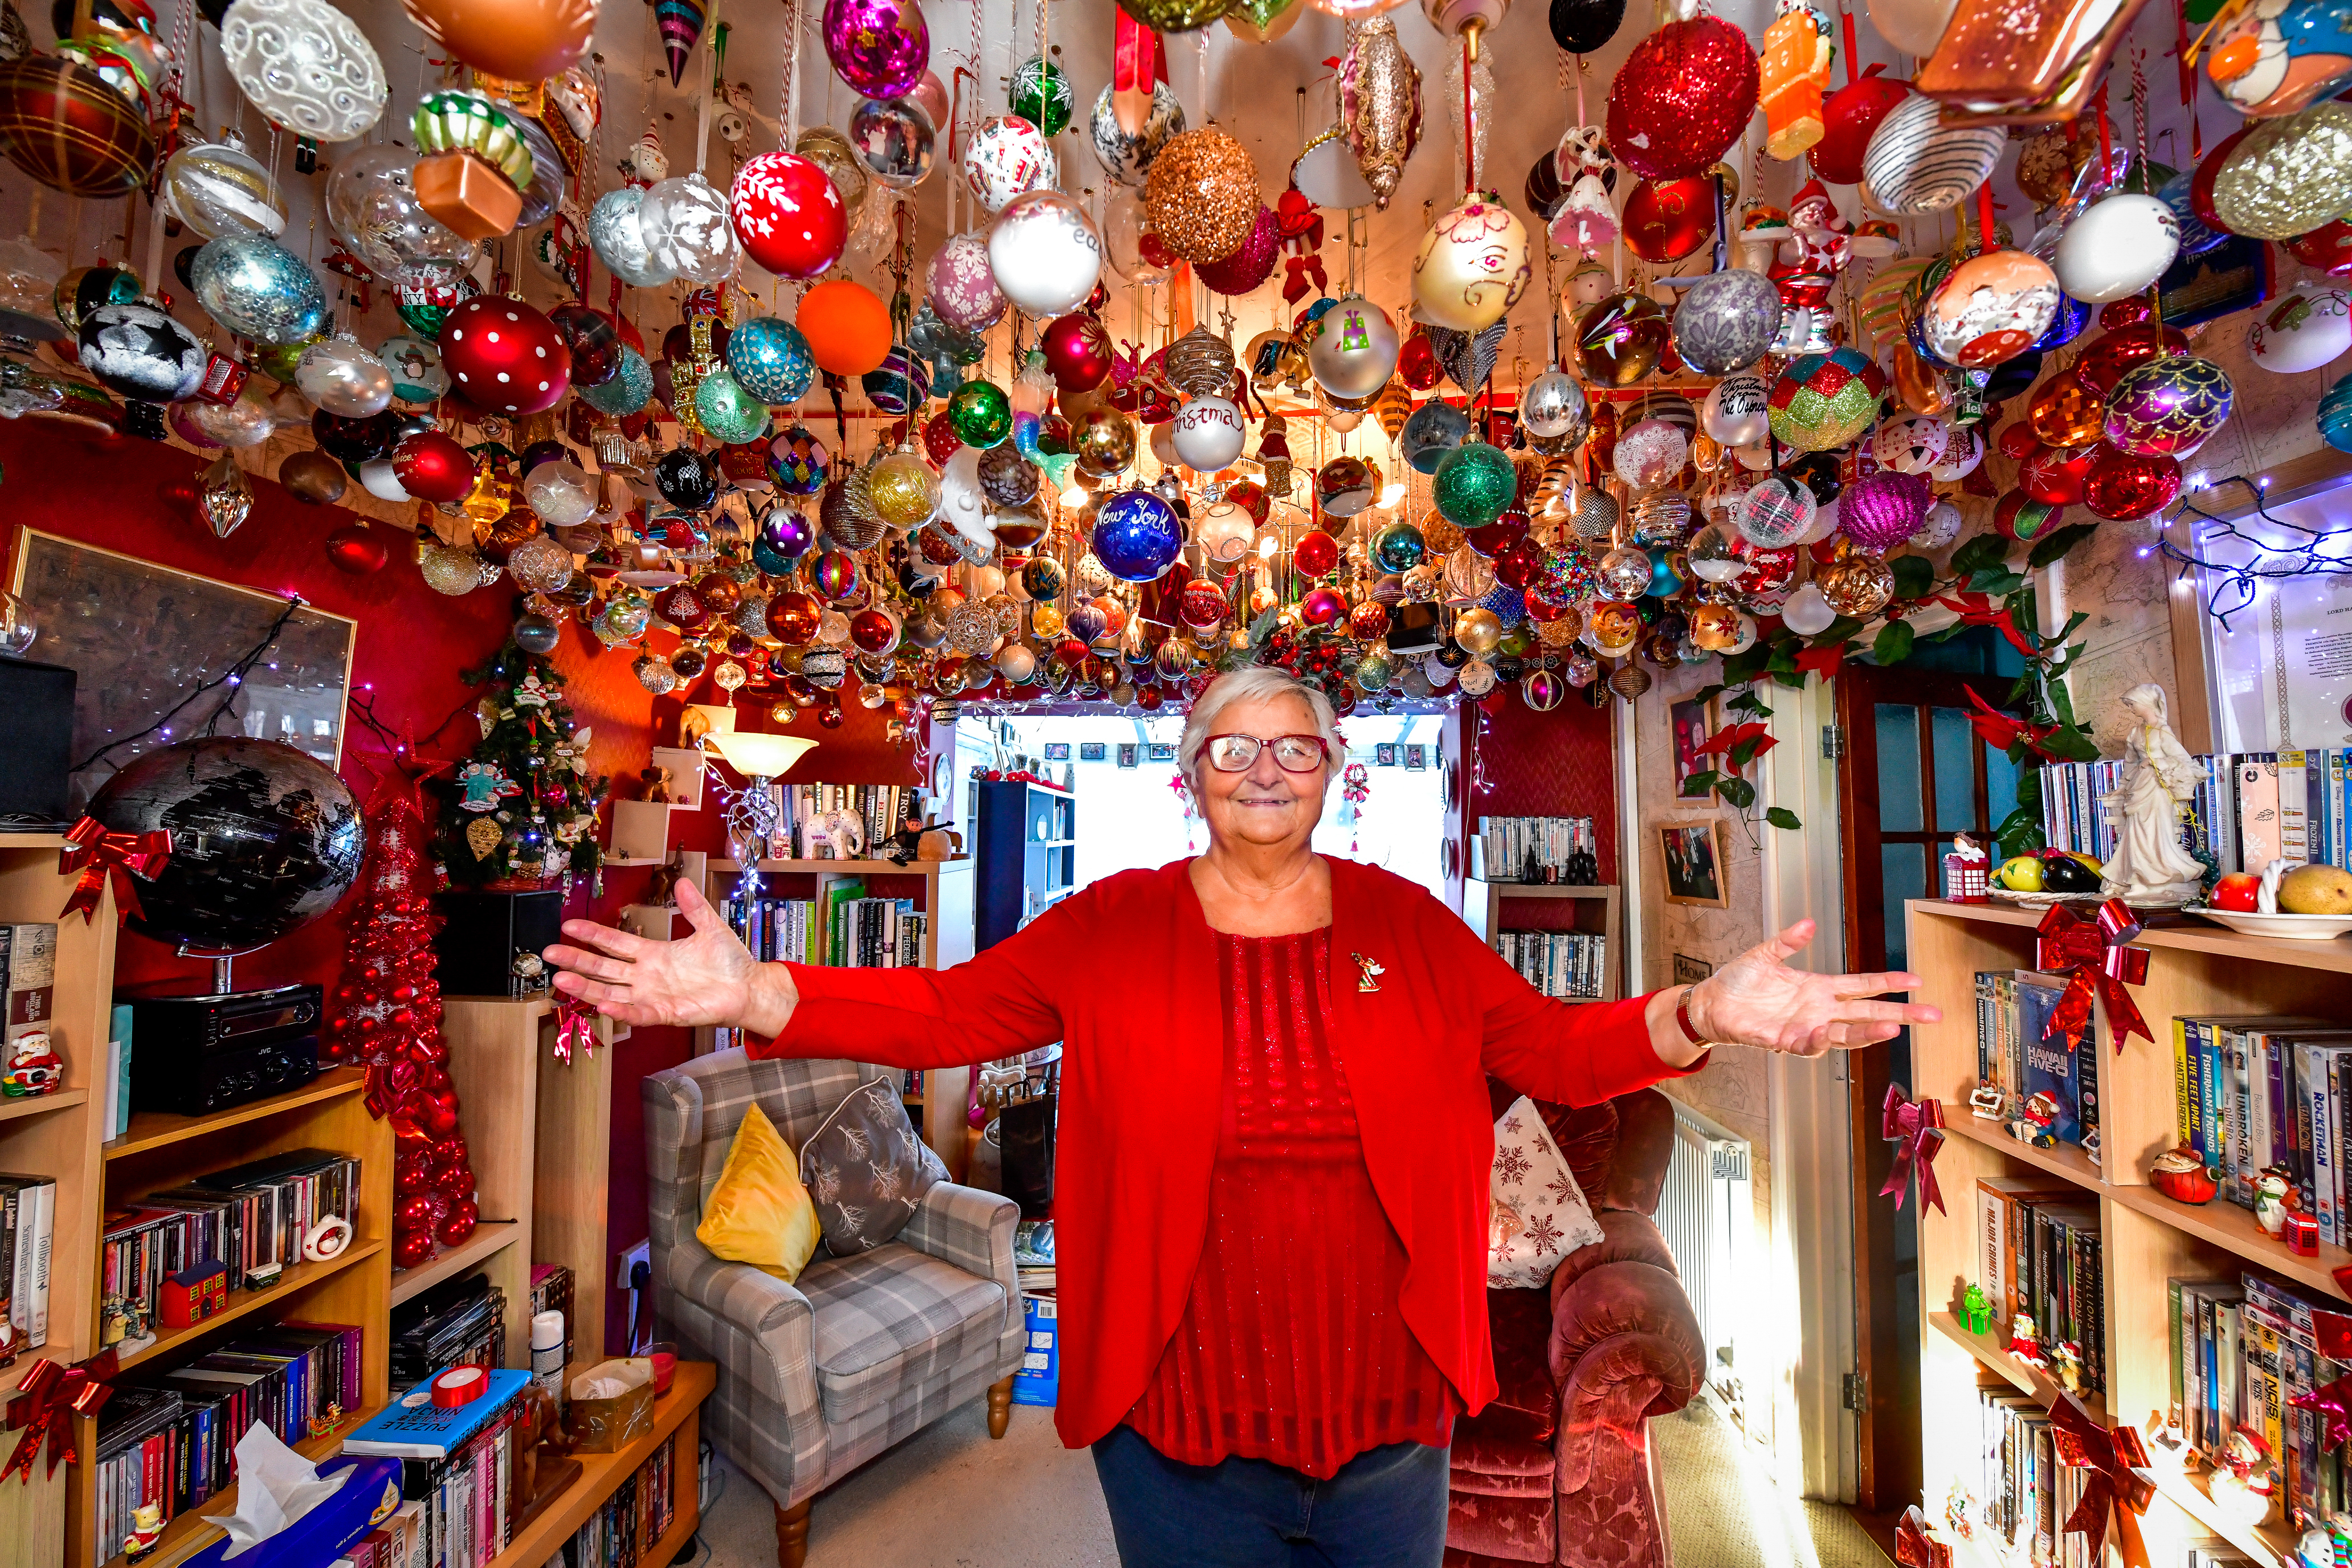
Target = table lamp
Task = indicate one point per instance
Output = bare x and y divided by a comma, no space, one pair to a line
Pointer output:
752,818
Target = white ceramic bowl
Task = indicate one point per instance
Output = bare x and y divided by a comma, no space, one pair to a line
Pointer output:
2298,928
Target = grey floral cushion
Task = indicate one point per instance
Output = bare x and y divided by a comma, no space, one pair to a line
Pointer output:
867,1171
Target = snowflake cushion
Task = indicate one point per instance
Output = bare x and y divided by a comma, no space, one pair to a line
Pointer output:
1536,1213
867,1171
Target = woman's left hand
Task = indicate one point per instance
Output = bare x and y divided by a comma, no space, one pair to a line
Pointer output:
1758,1000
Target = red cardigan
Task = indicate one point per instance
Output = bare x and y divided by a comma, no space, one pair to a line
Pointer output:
1124,972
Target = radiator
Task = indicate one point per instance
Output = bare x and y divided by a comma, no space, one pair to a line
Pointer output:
1707,1214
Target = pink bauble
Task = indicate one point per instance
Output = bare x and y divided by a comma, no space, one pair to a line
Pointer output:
1882,510
963,290
881,48
788,215
1251,265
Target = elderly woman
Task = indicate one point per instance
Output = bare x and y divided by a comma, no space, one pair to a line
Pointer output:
1275,1137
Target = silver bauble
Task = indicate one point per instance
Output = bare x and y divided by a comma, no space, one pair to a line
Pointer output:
1552,407
344,378
619,240
686,228
1727,321
1353,348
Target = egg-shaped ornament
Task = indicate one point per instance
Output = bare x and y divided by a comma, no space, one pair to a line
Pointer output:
306,65
2116,248
1553,406
219,188
1733,412
1137,536
1006,156
1472,266
1351,347
1727,321
1209,434
505,356
1044,254
1913,444
895,140
1989,309
1821,401
772,360
2301,329
2168,406
259,289
1918,165
139,351
2289,175
344,378
962,288
1622,339
1682,99
64,123
881,48
787,215
1127,156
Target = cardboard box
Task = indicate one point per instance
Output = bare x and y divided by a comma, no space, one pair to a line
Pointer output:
606,1425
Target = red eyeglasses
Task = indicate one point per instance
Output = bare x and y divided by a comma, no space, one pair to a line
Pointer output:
1292,754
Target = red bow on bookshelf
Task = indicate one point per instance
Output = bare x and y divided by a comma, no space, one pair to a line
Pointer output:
2334,1403
575,1027
98,855
2093,955
45,1403
1915,1128
1914,1547
2119,1485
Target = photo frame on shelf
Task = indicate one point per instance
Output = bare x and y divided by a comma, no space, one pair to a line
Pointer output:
1416,757
139,637
1160,750
1693,857
1058,750
1384,754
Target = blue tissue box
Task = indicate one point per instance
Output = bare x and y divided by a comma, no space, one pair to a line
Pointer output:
321,1535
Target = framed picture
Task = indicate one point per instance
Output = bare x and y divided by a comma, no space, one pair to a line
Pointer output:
1090,750
1689,971
1160,750
1694,857
1692,724
140,637
1416,757
1384,754
1058,750
1128,754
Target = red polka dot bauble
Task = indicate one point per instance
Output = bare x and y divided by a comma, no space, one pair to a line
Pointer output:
432,466
505,356
1682,98
788,215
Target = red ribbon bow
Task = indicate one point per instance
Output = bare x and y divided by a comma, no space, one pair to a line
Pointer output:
1914,1547
2119,1485
575,1028
1915,1128
1302,274
2094,956
99,855
45,1403
2334,1403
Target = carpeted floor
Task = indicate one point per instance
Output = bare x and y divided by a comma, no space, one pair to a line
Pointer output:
950,1497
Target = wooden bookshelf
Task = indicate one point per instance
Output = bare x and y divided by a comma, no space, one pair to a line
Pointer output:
1591,911
679,1411
2147,1238
188,1534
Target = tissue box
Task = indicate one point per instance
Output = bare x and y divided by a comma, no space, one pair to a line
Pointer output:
365,1501
607,1425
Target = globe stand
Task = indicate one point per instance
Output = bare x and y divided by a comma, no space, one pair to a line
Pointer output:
223,981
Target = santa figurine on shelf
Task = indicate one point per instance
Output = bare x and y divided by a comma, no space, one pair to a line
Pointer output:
1805,267
33,1068
2242,1485
2025,1338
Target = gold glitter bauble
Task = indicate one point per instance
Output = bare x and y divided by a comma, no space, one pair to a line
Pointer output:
1440,537
2289,175
905,491
1202,195
1561,632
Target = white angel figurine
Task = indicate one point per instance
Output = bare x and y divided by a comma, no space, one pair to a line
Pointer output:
2149,867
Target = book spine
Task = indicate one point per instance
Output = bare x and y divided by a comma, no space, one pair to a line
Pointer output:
2183,1103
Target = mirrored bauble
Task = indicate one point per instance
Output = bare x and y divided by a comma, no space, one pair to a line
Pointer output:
1553,405
306,65
895,140
246,422
1044,254
138,352
619,240
1128,159
1727,321
344,378
772,360
259,289
218,188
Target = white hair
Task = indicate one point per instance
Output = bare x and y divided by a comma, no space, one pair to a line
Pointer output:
2153,695
1256,683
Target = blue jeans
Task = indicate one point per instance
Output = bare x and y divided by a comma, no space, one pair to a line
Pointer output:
1385,1509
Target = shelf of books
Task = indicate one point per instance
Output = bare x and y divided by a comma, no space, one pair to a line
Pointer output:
658,1470
2193,1322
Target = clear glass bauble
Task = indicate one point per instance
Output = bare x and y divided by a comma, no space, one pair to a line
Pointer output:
559,493
539,564
1624,574
372,206
687,233
344,378
18,625
219,188
618,238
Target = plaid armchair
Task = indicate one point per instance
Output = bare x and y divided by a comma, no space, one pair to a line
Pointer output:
818,1376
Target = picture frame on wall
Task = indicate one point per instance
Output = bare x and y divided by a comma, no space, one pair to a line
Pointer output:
1058,750
1384,754
1160,750
1130,753
1694,857
1416,757
1690,723
1091,750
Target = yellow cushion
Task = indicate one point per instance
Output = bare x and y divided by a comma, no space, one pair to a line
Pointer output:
758,1213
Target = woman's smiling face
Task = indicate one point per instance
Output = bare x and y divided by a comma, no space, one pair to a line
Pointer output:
1262,804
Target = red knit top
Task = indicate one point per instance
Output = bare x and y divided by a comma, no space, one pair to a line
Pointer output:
1292,1346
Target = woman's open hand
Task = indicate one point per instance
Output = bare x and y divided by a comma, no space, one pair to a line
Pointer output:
708,977
1758,1000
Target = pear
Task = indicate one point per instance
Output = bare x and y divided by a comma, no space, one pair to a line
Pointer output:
2316,890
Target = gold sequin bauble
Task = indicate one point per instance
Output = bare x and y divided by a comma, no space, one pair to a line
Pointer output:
2289,175
1856,583
1202,195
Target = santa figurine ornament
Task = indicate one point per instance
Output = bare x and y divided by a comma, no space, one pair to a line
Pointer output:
1805,268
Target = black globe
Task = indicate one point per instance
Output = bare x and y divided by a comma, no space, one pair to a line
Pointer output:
264,839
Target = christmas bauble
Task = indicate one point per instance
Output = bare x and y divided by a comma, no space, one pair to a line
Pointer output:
259,289
1137,536
1622,339
2301,329
1209,434
619,240
306,65
312,477
1989,307
1665,220
2118,247
1472,266
1128,159
685,478
981,413
903,490
770,359
1202,194
1821,401
344,378
629,390
64,124
522,40
895,141
1727,321
1857,584
137,351
963,290
881,48
2168,406
1351,347
1734,413
505,356
1077,350
415,366
2054,475
1776,513
798,462
219,188
2289,175
560,494
1915,164
2065,412
728,409
1103,441
1582,26
1007,156
783,537
1879,511
424,302
356,440
1682,99
1913,444
1251,262
2126,484
432,466
1044,253
1849,118
1040,93
687,229
900,381
1650,454
787,215
373,208
1473,485
846,325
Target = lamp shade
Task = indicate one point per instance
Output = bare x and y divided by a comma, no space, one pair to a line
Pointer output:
756,755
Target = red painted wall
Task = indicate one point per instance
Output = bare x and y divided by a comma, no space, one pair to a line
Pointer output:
1560,764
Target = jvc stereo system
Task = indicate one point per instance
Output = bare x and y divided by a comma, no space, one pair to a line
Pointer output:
191,1055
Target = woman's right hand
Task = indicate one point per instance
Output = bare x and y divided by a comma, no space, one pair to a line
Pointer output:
709,978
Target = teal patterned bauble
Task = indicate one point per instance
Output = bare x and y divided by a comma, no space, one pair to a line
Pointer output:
980,412
1399,547
629,390
2336,416
1475,483
772,360
260,289
728,409
1041,95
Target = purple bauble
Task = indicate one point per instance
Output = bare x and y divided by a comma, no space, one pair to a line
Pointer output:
1882,511
786,534
963,290
881,48
1251,265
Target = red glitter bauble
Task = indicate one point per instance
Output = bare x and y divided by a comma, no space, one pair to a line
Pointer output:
2054,475
1682,98
505,356
2124,485
431,466
788,215
357,550
1417,363
1252,264
1077,350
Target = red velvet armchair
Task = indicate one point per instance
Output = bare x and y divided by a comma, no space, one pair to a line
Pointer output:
1558,1469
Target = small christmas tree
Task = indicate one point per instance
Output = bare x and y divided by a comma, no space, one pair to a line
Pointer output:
523,813
384,1013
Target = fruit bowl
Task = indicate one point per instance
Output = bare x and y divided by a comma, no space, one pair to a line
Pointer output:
2295,928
